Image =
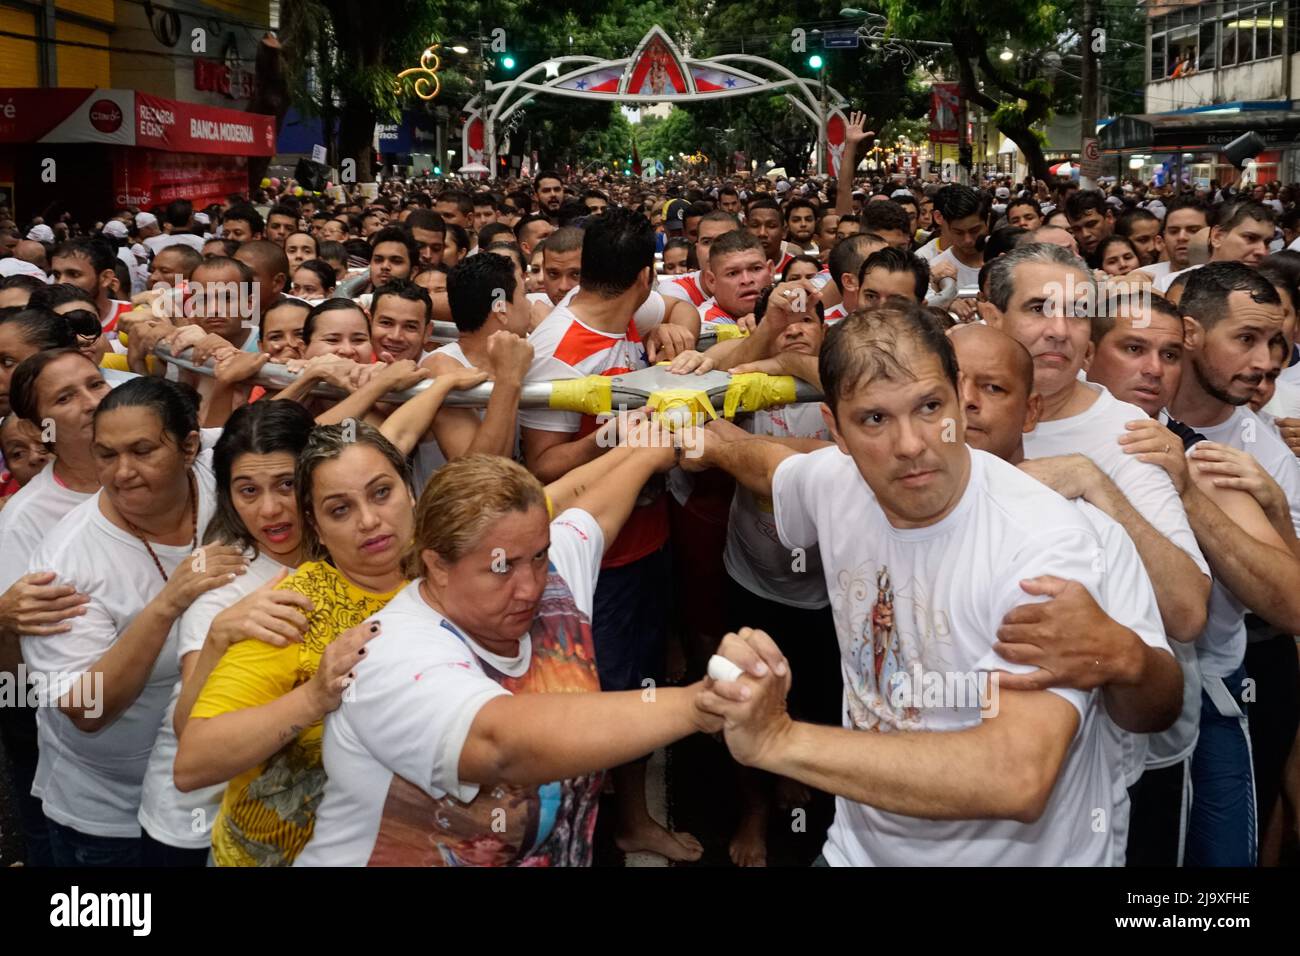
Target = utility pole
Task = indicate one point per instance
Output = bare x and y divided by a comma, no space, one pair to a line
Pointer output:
823,142
489,135
1089,155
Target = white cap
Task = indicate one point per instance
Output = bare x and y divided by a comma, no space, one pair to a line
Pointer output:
1156,208
782,186
202,219
143,220
1002,192
900,193
13,266
1275,205
114,229
41,233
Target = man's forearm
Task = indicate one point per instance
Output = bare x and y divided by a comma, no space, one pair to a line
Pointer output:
733,352
1147,695
496,433
752,462
1264,578
559,460
1182,591
975,774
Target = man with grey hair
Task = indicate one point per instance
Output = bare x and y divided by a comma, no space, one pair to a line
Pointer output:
1044,297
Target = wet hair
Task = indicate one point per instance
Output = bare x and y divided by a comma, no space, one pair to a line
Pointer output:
336,304
954,202
865,347
463,499
262,428
1184,202
22,387
326,443
177,409
1205,296
472,289
60,293
1085,201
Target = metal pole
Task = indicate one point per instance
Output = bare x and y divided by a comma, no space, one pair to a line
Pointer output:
822,144
1088,78
489,136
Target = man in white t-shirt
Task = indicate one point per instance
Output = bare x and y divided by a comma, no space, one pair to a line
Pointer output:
1043,297
960,214
895,508
1184,218
1236,315
1241,233
1001,405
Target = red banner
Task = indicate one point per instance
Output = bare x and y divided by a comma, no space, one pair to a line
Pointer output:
146,177
945,112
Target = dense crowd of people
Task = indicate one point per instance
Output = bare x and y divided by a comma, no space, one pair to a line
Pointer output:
1021,590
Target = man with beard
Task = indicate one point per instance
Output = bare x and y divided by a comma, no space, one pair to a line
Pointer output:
1236,317
801,224
550,195
1241,233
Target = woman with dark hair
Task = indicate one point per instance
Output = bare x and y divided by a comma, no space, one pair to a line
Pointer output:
314,281
257,721
801,267
105,753
23,334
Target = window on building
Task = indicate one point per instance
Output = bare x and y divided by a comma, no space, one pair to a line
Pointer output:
1217,34
1209,43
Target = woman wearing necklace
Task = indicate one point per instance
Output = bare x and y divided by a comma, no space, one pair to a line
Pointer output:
257,719
130,548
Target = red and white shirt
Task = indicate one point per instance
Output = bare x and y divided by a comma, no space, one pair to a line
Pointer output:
115,309
713,314
835,313
565,348
689,287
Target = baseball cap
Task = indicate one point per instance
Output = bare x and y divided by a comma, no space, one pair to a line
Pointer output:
41,233
202,218
901,193
143,220
1156,208
675,215
782,186
1002,192
1114,202
114,229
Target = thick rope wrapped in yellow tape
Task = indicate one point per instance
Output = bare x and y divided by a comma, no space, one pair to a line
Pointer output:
590,395
752,391
724,332
682,407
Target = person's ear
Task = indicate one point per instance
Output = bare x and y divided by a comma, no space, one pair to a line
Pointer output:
190,448
1193,334
828,417
1033,412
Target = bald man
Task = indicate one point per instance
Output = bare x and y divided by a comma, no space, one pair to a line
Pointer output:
29,250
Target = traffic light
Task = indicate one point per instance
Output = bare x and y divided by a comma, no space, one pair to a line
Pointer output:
437,170
508,62
964,155
815,61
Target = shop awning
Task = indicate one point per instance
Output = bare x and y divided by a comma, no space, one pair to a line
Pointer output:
127,118
1206,129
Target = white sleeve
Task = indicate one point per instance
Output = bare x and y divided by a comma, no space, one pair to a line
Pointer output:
1067,553
416,697
671,289
65,657
1152,494
1130,597
650,314
547,368
792,501
14,556
193,627
577,545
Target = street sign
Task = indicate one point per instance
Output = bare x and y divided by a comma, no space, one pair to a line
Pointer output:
840,40
1090,159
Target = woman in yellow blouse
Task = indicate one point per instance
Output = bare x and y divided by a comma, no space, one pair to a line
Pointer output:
258,720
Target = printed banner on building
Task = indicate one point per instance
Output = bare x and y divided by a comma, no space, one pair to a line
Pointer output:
945,112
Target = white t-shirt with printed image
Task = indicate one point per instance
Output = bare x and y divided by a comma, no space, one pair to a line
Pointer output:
926,603
417,694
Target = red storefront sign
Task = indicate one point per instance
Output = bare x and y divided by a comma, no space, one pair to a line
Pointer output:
212,76
127,118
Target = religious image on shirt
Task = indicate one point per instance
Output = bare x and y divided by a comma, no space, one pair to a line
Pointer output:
898,637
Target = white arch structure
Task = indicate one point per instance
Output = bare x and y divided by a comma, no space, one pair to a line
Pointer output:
656,73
